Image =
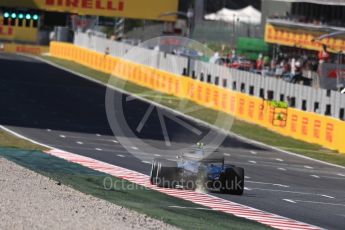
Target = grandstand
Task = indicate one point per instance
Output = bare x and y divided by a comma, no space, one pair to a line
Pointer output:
294,27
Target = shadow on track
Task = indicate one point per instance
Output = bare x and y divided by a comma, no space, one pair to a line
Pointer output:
37,95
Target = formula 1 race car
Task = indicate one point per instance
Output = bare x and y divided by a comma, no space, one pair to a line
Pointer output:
192,170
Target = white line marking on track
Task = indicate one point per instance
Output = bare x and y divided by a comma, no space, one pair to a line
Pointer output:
253,162
330,197
342,215
266,183
171,159
157,155
339,174
246,188
88,138
62,136
227,154
115,141
98,135
282,185
280,160
135,148
246,177
290,201
282,169
49,130
318,202
98,149
287,191
79,142
253,152
308,167
79,147
335,178
146,162
315,176
119,155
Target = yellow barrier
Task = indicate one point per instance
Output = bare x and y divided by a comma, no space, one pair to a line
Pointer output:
309,127
21,48
305,39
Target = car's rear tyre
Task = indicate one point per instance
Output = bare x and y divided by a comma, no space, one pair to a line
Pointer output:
232,181
166,176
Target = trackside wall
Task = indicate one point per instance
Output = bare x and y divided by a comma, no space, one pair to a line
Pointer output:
310,127
23,48
306,98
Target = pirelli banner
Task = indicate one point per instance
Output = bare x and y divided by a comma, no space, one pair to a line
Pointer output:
140,9
301,38
310,127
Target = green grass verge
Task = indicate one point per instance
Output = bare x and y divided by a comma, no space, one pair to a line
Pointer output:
242,128
9,141
127,194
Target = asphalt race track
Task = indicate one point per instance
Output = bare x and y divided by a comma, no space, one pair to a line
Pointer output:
65,111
